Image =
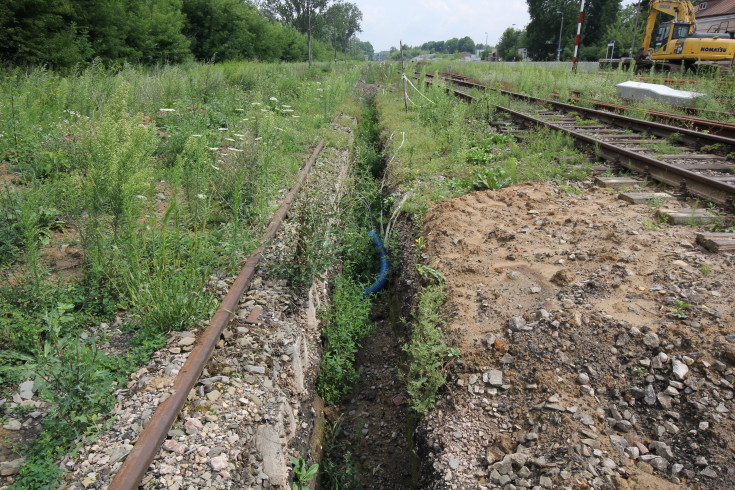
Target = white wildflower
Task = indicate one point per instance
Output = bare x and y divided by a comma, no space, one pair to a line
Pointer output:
258,138
201,196
229,139
295,117
273,99
238,135
264,110
279,128
240,110
256,103
234,149
286,110
221,129
214,167
213,148
196,135
167,110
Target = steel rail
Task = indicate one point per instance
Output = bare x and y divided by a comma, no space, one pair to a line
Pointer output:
696,184
148,444
720,128
689,136
719,192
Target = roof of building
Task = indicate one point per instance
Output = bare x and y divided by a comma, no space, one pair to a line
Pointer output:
714,8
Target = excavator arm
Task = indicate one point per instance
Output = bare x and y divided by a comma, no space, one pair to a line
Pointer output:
682,10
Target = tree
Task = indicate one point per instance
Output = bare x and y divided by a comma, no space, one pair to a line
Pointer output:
43,32
157,35
345,18
509,43
466,45
543,30
298,13
451,46
622,31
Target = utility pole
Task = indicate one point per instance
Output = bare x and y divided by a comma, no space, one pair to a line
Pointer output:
308,7
635,27
487,51
403,73
558,45
334,42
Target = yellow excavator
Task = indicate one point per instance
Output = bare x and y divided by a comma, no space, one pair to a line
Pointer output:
677,46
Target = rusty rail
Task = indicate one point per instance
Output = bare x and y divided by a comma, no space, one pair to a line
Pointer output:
148,444
713,127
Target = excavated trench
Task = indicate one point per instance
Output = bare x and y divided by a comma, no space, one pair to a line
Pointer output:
368,437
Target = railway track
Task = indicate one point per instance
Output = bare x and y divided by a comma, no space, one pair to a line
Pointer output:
148,445
684,121
697,163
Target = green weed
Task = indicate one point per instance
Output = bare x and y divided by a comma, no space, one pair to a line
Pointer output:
492,178
679,309
302,475
428,354
345,323
706,269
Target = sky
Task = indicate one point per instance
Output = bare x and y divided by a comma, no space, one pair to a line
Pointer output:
387,22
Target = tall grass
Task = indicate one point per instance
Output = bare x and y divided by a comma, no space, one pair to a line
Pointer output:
164,176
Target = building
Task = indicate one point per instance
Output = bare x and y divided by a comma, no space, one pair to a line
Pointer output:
716,16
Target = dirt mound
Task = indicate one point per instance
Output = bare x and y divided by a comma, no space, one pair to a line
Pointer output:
595,346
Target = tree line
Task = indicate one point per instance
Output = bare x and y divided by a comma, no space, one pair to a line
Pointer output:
64,33
604,21
451,46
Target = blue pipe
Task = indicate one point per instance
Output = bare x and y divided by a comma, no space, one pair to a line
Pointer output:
383,276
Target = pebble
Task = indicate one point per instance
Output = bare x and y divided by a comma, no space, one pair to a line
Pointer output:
493,377
454,463
651,340
26,390
583,379
708,472
12,424
9,468
679,368
516,323
255,369
186,341
219,463
650,395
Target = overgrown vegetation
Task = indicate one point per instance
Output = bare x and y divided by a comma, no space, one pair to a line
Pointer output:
346,321
344,324
122,192
427,351
66,34
449,150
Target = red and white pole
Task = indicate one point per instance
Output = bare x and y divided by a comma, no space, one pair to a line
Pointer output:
576,45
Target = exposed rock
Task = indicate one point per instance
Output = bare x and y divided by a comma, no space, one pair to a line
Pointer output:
9,468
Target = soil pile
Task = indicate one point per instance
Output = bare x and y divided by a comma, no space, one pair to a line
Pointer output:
597,346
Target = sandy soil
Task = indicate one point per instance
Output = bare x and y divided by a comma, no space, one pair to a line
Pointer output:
564,307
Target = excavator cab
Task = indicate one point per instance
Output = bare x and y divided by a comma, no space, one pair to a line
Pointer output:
662,36
671,31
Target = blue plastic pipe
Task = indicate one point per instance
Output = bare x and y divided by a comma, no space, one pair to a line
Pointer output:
383,276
